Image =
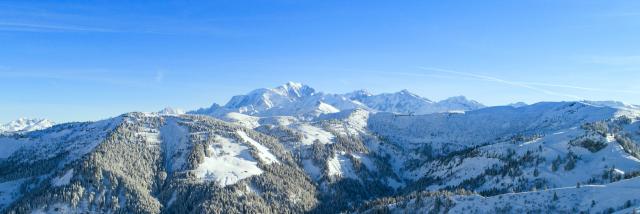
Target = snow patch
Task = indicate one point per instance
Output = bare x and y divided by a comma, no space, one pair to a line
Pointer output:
312,133
531,142
228,163
242,120
326,108
263,152
366,162
340,166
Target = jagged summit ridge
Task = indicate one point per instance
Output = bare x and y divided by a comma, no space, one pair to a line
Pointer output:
300,100
171,111
261,100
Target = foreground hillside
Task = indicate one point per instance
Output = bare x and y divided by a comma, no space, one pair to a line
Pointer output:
139,163
552,157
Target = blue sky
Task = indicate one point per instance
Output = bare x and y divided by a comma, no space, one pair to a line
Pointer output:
88,60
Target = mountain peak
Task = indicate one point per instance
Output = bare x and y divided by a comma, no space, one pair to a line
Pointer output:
296,99
405,91
263,99
359,94
294,89
171,111
292,84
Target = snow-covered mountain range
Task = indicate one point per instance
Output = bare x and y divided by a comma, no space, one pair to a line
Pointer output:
25,125
302,101
292,149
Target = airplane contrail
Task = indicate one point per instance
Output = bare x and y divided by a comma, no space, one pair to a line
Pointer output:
503,81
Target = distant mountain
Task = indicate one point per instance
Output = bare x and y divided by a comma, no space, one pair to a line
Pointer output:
296,99
25,125
171,111
291,99
261,100
458,103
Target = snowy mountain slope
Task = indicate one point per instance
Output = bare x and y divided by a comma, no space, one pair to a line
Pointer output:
614,104
445,132
302,101
343,158
264,99
150,163
618,197
551,161
586,198
310,107
25,125
24,158
494,150
241,119
506,149
291,99
230,163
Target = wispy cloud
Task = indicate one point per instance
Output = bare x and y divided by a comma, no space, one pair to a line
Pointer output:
40,27
52,19
622,14
535,86
583,88
458,75
398,73
504,81
137,28
95,76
